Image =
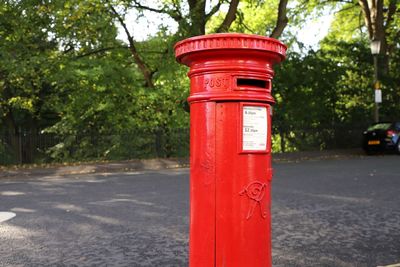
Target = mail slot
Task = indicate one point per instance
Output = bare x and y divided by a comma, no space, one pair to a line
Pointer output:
252,84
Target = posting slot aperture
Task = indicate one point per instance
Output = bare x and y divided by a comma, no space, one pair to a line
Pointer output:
252,83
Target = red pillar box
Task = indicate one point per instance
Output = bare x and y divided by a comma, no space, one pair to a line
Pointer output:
230,147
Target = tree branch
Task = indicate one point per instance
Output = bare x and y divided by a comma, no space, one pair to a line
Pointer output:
391,11
214,10
336,1
360,18
143,67
367,17
241,22
229,17
282,19
69,49
347,8
378,22
100,50
174,14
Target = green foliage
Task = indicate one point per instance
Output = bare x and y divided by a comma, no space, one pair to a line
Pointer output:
248,21
347,25
322,94
105,97
24,67
391,89
64,71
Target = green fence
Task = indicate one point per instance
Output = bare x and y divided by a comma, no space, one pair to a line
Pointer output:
339,137
25,147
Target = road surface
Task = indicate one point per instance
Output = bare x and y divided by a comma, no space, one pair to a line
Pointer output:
336,212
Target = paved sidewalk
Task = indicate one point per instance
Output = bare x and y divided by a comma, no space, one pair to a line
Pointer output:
158,164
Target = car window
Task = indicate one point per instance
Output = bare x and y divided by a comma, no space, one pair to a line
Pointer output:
379,126
397,126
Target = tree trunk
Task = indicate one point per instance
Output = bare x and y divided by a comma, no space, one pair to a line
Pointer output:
378,27
197,15
281,21
230,16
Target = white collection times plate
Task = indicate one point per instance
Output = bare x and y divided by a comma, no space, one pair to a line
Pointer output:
255,128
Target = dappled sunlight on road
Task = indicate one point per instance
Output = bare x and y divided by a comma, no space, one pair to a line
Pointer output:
11,193
9,231
102,219
19,209
68,207
118,200
340,198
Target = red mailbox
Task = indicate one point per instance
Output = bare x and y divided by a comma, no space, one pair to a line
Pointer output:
230,147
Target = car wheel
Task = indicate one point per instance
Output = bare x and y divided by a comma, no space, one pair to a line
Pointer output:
398,147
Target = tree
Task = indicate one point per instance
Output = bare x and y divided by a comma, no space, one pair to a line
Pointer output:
64,70
24,68
375,20
380,23
194,23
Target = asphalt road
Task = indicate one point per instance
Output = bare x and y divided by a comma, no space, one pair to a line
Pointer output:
341,212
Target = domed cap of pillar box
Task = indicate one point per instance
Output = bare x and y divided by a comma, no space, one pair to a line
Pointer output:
232,42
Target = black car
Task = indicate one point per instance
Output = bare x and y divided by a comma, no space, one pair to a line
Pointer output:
382,136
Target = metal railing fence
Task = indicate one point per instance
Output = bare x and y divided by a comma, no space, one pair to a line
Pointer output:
339,137
25,147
